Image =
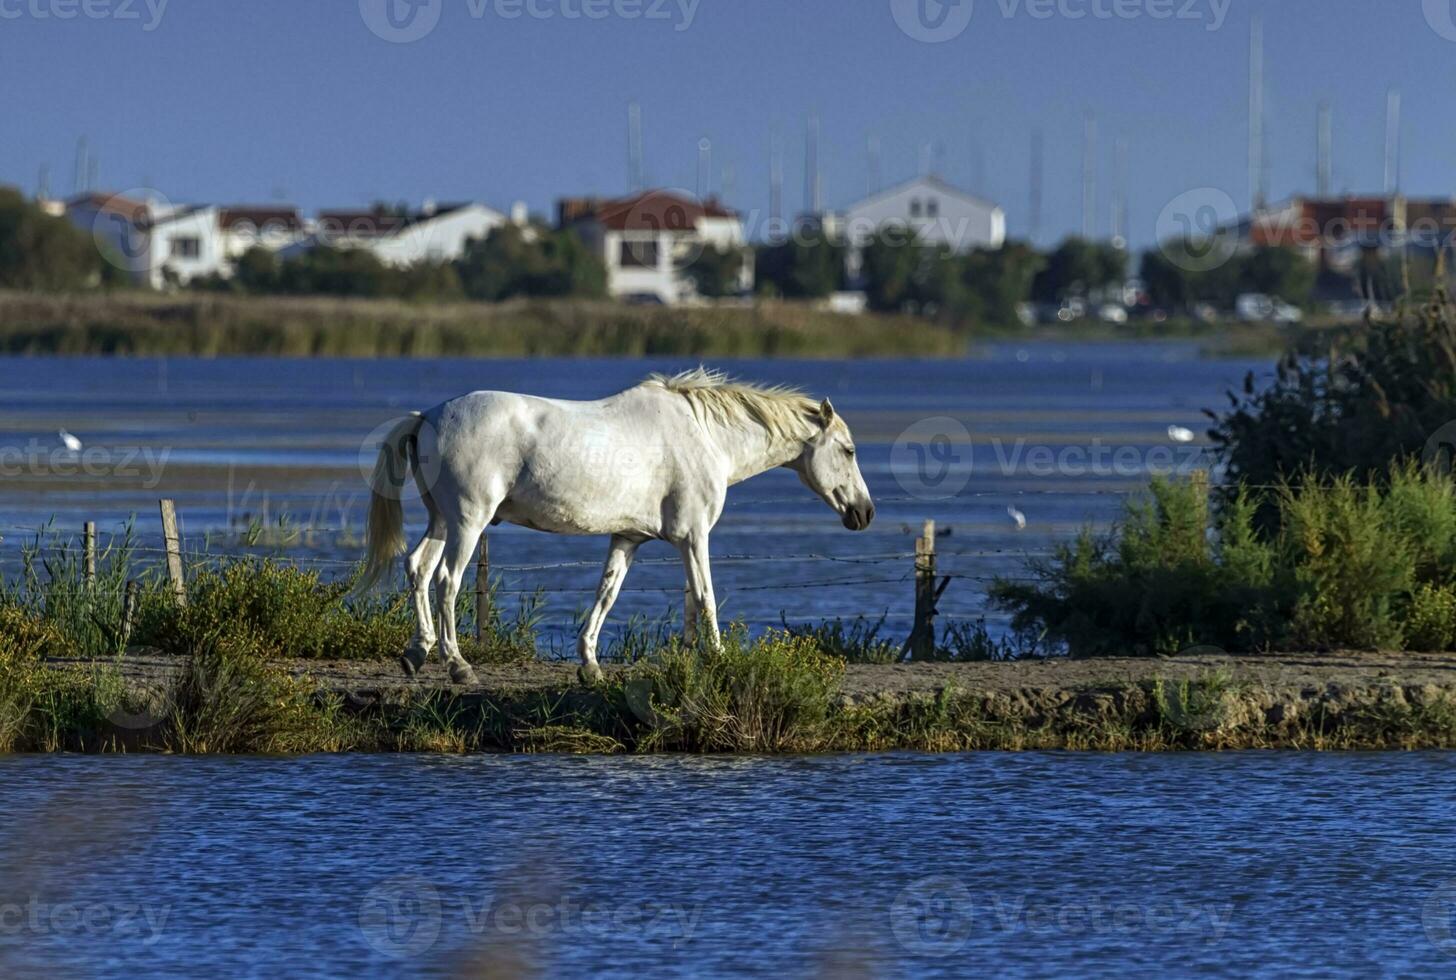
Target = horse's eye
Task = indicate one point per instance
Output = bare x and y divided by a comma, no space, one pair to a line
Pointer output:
849,450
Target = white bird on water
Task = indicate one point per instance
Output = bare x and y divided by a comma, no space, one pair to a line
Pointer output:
70,442
1017,516
1179,434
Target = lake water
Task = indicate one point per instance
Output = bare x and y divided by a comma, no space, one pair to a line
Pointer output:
1061,432
1226,865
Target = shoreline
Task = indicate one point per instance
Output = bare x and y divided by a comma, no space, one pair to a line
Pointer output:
1210,702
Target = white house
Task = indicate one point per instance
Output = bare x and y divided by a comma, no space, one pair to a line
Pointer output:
158,243
154,242
934,211
647,241
437,233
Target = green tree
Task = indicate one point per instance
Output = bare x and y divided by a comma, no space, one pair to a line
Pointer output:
717,272
1279,272
1078,267
529,261
898,271
800,269
43,252
338,272
986,285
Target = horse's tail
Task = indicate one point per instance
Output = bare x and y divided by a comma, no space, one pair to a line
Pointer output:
386,513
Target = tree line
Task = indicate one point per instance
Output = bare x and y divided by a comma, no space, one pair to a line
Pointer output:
39,251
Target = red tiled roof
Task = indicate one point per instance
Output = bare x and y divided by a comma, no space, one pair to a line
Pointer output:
132,210
264,216
363,224
653,211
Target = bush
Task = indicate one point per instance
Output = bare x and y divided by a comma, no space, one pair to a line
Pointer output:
229,699
770,694
280,610
1343,565
1372,400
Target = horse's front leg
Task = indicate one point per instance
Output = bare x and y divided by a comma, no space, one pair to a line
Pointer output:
619,559
701,609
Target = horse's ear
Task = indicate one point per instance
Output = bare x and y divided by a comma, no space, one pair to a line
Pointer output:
826,412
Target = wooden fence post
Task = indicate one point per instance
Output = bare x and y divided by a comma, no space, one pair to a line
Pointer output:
174,551
128,611
920,644
89,537
482,586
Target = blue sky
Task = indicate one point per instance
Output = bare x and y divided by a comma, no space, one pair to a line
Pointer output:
218,101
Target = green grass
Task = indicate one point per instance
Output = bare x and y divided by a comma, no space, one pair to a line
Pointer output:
143,324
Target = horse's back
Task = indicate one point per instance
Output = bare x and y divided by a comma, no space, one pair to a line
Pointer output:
565,466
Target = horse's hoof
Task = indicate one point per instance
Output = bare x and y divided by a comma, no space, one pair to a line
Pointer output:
462,673
589,674
411,661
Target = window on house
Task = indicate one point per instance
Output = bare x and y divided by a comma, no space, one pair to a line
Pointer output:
915,207
186,248
638,254
932,208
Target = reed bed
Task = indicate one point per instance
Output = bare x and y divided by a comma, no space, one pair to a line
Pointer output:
208,325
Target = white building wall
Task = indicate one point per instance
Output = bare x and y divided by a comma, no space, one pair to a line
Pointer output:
439,239
188,245
937,213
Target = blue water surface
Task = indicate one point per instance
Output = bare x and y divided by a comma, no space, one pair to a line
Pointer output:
1227,865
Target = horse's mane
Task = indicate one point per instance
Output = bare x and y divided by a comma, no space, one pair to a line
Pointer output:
783,411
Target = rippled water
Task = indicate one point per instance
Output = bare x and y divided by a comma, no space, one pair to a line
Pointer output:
1062,432
1039,864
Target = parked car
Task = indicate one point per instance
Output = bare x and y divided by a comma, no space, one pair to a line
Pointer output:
1112,313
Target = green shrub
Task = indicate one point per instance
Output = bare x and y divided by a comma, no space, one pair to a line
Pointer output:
1341,565
1431,623
770,694
229,699
281,610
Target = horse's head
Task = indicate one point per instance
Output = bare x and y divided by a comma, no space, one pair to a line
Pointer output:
830,468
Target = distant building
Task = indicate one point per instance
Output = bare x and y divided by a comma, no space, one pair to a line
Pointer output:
647,241
270,226
1344,235
156,243
435,233
926,210
160,244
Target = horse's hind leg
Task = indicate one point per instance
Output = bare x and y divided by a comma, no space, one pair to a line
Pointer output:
460,541
619,560
421,568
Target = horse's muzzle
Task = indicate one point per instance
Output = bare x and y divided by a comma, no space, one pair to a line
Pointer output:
858,518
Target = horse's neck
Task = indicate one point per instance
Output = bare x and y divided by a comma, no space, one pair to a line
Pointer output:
751,449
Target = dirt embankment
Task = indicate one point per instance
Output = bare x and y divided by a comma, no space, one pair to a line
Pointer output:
1306,674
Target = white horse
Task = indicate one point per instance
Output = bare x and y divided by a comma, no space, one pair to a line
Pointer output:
652,462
